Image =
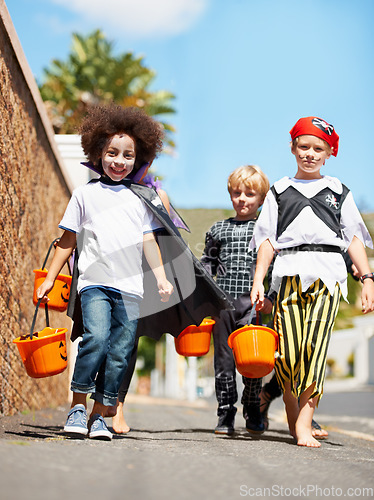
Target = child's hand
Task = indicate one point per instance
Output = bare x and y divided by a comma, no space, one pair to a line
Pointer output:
367,296
257,295
43,290
165,289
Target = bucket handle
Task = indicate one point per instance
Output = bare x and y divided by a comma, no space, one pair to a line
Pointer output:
35,315
49,251
252,313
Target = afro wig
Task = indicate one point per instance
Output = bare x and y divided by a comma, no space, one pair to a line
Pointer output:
103,122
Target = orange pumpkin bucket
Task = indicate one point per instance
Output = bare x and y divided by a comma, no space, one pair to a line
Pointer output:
254,349
43,353
195,340
59,295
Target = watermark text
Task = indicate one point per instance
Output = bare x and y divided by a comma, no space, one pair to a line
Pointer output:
310,490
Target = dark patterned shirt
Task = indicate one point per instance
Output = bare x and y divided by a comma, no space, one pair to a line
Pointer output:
227,255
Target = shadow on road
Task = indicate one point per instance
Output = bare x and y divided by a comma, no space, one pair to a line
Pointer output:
41,432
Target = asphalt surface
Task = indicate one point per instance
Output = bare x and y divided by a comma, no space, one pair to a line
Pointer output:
171,452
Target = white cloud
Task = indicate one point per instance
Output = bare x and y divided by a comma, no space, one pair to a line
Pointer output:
138,18
55,24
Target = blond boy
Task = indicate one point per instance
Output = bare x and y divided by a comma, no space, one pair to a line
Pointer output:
228,258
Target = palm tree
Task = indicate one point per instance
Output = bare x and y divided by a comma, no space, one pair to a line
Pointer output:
93,75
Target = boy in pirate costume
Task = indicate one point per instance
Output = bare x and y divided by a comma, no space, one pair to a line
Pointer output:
308,220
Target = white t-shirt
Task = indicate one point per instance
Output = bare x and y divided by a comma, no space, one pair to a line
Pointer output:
308,228
110,222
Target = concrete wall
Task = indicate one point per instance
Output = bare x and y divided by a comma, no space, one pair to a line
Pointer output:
72,154
359,342
34,191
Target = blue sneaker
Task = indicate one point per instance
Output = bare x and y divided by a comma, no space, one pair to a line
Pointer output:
98,428
76,423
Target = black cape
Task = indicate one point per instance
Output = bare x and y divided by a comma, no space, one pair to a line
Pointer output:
196,295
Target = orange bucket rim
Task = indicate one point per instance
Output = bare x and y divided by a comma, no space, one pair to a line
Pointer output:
59,332
250,327
205,322
60,275
208,321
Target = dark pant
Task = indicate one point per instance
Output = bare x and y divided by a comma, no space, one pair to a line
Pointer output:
125,384
224,364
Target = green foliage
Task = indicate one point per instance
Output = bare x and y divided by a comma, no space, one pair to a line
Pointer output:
347,311
369,221
199,221
93,75
354,290
147,353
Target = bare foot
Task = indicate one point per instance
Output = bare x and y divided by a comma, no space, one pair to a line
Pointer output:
318,432
118,421
304,437
292,410
111,411
293,434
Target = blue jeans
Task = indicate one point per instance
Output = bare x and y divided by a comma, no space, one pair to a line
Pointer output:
110,320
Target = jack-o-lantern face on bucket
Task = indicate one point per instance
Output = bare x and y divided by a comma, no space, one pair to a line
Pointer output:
63,353
65,292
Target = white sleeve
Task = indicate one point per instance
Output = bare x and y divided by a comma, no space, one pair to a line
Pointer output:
266,225
72,219
151,223
352,224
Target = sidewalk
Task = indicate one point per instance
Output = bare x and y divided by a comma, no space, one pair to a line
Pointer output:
346,384
172,453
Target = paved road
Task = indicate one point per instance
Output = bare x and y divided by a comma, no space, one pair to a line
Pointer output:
172,453
346,408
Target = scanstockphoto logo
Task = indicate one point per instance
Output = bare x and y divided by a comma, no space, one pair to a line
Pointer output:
311,491
126,269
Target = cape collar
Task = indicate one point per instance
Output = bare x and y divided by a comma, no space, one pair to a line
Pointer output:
107,180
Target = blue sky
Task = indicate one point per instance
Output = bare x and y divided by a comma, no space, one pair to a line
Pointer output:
243,72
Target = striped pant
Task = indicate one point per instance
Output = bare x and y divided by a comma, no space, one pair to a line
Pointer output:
304,322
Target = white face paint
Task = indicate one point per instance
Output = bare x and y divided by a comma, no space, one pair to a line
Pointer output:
118,157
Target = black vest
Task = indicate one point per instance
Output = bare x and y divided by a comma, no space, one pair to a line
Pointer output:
326,205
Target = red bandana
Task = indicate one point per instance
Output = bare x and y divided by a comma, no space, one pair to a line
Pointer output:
312,125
